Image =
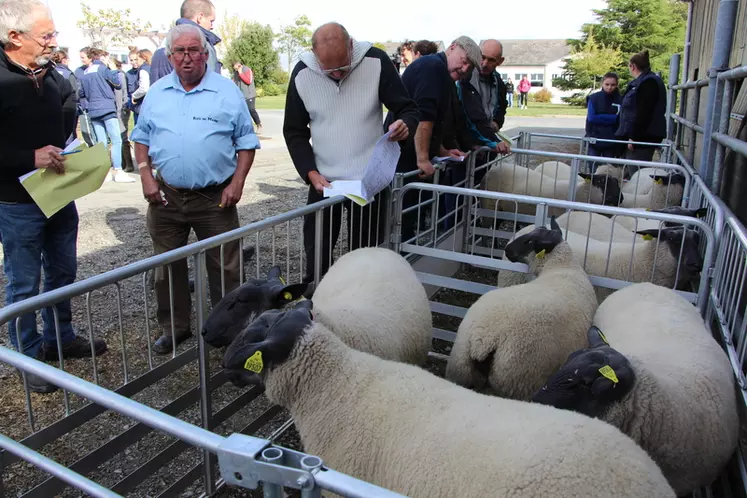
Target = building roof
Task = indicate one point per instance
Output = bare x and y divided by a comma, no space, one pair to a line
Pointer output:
533,52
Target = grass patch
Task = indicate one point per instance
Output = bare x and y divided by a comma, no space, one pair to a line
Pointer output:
537,109
276,102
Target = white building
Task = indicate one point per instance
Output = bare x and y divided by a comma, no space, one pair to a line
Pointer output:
540,60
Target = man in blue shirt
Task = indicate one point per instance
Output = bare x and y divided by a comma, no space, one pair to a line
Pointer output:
193,124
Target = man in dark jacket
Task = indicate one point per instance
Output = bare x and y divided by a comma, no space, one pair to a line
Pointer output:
200,13
37,112
244,78
602,118
643,113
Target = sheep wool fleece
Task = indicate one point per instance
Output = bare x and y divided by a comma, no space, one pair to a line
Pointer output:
407,430
372,299
682,409
530,329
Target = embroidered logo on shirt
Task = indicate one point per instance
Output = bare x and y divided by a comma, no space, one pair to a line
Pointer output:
197,118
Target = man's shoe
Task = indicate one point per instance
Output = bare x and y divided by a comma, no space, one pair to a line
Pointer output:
164,344
78,348
37,384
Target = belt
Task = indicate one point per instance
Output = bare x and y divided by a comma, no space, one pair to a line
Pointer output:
210,189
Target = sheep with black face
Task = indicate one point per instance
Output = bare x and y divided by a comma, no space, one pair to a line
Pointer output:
402,428
511,339
660,377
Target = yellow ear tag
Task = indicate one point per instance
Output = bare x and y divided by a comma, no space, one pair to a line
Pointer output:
648,209
254,363
282,280
659,182
648,237
541,254
609,373
288,296
587,180
601,336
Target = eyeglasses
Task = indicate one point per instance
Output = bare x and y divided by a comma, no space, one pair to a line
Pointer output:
341,69
45,38
180,53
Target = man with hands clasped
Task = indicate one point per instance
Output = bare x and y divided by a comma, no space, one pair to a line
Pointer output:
196,132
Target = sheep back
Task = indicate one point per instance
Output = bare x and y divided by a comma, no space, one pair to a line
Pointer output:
594,225
611,170
372,299
555,169
682,410
513,179
405,429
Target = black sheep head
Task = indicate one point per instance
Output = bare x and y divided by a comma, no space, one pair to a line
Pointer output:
609,185
538,241
244,304
680,240
266,342
590,380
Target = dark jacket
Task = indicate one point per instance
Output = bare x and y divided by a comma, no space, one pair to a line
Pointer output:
457,128
68,74
139,102
602,119
509,87
82,102
492,92
97,86
160,65
31,117
478,123
429,83
643,113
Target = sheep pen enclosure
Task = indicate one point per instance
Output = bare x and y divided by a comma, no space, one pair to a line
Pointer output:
131,458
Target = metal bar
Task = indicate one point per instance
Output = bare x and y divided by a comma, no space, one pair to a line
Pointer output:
170,425
724,37
732,143
688,41
54,468
689,124
674,76
691,84
723,129
738,73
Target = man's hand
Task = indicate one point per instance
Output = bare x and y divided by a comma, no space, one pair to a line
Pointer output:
494,126
231,195
502,148
151,189
630,146
399,131
49,157
318,181
426,169
455,153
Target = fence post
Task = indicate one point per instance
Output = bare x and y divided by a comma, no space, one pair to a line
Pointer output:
206,401
727,13
723,127
674,76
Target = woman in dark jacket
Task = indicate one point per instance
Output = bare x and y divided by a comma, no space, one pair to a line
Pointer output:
61,61
602,118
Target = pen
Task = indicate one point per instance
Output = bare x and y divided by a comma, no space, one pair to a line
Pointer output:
71,152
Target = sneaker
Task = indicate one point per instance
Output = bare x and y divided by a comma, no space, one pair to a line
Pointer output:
164,344
122,177
108,177
37,384
78,348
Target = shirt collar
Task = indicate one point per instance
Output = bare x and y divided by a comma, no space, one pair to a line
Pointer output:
208,83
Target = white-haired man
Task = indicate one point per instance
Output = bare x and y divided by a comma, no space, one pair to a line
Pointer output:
37,112
192,126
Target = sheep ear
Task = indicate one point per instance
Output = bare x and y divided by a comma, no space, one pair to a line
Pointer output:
699,213
596,337
290,293
246,365
275,273
586,176
554,224
649,234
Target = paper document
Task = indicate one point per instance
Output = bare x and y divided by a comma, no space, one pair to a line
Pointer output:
85,172
444,159
377,176
505,138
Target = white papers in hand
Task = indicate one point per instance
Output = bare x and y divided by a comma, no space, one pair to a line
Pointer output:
444,159
377,176
73,145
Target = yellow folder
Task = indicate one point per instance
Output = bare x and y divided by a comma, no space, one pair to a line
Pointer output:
85,172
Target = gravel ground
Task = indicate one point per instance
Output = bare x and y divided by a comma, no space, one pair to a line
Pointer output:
113,236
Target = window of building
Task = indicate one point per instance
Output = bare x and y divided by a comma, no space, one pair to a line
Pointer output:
537,79
518,76
504,76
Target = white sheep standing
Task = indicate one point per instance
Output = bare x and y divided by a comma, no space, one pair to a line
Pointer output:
370,297
402,428
668,384
545,319
598,189
667,190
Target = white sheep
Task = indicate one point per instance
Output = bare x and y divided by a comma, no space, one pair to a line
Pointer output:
667,383
373,300
402,428
635,261
641,181
667,190
545,319
555,169
598,189
633,224
370,297
596,226
613,171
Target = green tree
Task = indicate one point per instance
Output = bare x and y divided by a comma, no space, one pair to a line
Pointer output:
107,26
587,64
624,28
228,30
295,38
253,48
380,45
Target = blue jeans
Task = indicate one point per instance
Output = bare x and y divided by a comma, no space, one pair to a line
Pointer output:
110,127
510,98
30,240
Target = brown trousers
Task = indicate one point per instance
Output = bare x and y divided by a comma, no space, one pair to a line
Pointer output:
169,228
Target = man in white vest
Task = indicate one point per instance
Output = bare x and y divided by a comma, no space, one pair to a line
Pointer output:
335,98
